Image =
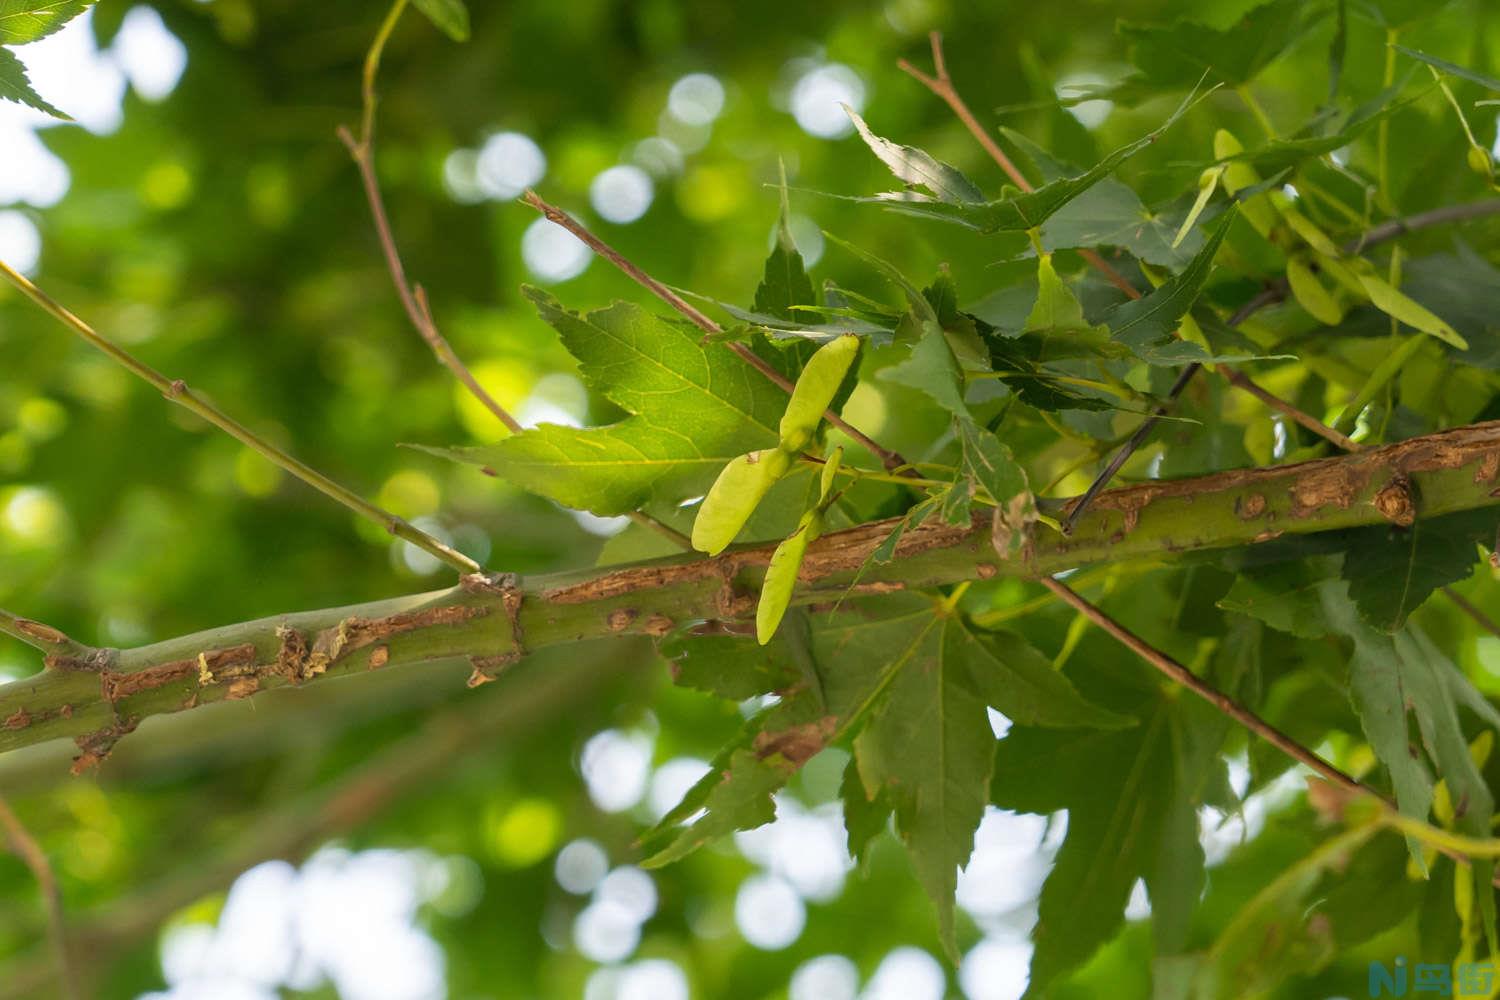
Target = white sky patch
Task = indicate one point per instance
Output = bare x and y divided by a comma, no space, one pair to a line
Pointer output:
996,969
580,866
672,781
509,163
20,243
347,918
31,173
817,95
907,973
552,253
606,932
630,889
152,57
827,977
1008,866
622,194
616,766
696,99
1090,114
652,979
768,912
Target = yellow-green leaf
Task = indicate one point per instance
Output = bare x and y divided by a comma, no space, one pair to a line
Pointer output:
1257,209
1396,305
1207,182
815,389
1311,295
781,575
735,495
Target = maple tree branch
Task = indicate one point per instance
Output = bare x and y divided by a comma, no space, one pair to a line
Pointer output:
30,852
177,391
890,459
497,619
1468,608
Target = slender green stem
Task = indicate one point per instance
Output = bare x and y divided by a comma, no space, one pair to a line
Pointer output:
1445,841
1259,112
38,636
372,70
1383,129
178,392
413,298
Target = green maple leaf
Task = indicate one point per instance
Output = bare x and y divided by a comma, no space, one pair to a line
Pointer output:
929,746
1157,774
23,21
1391,570
16,86
883,661
694,407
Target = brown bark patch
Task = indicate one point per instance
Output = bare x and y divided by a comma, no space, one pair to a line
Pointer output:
1489,468
242,687
1396,503
210,663
657,626
619,619
1250,506
488,668
1323,485
41,632
96,746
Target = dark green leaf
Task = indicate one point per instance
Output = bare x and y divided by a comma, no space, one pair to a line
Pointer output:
1452,69
16,86
1147,323
1183,53
449,15
1391,571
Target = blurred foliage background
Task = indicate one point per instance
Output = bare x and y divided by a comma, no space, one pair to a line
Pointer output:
211,223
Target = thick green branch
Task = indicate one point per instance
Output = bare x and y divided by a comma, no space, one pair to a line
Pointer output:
496,620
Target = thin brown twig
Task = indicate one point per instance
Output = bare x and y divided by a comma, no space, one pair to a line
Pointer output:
30,852
1223,702
1180,674
178,391
413,299
413,296
1468,608
890,459
1240,380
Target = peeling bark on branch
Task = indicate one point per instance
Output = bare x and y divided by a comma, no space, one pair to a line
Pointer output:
98,696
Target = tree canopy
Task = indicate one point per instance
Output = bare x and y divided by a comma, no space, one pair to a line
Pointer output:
828,501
